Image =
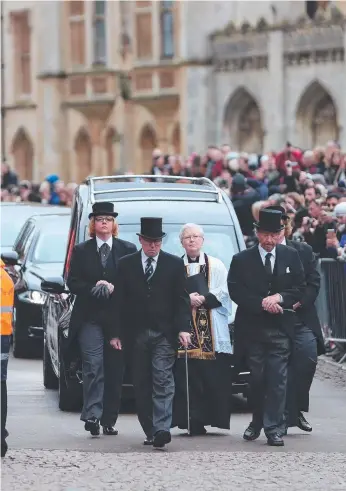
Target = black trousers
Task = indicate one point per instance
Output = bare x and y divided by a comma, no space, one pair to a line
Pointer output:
153,361
301,371
210,388
103,369
268,363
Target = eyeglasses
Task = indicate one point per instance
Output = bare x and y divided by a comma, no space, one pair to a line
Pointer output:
104,219
189,237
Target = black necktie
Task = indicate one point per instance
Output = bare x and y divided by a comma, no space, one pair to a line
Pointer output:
149,270
104,252
268,264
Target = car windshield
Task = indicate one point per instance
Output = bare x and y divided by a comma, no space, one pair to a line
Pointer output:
51,247
220,241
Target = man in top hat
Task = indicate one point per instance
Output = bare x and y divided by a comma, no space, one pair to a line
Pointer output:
91,278
308,337
153,314
266,281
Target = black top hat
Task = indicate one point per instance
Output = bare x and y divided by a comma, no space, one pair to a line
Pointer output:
278,208
151,228
269,221
103,209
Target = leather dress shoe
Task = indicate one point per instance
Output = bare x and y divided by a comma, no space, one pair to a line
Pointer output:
109,430
148,441
161,438
251,434
93,426
303,424
275,441
197,429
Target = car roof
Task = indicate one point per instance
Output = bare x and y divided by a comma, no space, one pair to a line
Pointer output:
50,219
36,208
173,212
197,200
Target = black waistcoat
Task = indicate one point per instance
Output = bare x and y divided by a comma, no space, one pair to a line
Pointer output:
99,307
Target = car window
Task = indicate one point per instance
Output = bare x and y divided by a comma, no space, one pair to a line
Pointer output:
24,240
50,247
220,241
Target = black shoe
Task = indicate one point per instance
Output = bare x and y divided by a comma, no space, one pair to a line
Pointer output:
4,448
109,430
148,441
275,441
251,434
161,438
303,424
93,426
197,429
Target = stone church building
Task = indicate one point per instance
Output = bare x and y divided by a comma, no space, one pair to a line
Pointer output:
92,87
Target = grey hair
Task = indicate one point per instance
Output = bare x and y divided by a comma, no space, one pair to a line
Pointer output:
190,225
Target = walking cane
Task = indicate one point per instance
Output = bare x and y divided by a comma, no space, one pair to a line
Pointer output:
187,392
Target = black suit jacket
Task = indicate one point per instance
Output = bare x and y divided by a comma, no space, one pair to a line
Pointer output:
307,313
165,306
85,271
248,285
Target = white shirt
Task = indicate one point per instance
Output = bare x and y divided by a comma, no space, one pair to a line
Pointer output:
100,242
144,261
283,241
263,254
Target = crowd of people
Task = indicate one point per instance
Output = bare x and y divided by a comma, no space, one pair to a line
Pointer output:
309,184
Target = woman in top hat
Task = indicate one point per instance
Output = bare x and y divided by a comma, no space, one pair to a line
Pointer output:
266,281
91,278
153,313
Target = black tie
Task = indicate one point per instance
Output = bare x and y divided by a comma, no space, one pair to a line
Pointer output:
149,270
104,251
268,264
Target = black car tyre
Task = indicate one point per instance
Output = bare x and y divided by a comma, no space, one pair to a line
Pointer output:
70,395
50,380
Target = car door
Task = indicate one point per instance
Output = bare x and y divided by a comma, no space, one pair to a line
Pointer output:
59,306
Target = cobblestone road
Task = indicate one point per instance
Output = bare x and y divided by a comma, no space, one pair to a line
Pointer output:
183,471
50,451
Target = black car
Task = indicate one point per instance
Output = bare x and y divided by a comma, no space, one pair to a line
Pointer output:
14,215
197,200
39,251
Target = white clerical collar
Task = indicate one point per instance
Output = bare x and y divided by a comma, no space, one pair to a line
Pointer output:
201,260
263,252
100,242
145,257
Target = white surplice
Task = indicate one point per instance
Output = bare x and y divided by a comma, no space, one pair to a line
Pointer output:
220,316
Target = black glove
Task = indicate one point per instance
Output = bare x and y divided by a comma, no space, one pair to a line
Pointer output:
100,291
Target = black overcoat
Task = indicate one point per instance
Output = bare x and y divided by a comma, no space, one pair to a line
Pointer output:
85,271
248,285
164,305
308,313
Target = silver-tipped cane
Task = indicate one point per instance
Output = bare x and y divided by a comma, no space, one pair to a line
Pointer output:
187,391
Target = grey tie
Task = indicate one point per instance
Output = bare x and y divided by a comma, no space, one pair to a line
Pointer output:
104,252
149,270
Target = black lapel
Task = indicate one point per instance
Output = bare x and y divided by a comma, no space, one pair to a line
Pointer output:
280,259
95,256
116,252
138,266
257,262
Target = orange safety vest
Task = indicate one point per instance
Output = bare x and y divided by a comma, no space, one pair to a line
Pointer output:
7,299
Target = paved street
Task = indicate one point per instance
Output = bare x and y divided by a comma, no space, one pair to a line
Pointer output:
49,449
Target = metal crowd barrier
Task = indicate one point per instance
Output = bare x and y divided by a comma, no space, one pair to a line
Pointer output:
331,301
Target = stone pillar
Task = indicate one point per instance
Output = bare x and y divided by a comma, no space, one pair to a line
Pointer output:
275,122
52,125
98,157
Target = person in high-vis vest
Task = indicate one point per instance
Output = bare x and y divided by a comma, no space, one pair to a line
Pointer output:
6,310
